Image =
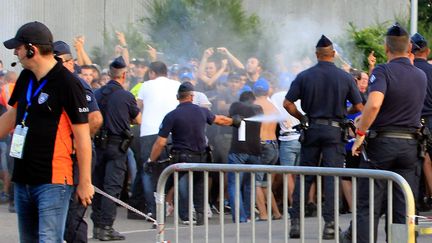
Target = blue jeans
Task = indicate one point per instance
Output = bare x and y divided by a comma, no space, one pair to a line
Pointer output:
289,152
42,211
148,178
245,186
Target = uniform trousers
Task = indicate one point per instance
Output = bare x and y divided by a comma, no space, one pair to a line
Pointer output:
393,154
325,142
109,174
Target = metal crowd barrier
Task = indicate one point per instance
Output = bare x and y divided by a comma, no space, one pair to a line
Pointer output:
407,234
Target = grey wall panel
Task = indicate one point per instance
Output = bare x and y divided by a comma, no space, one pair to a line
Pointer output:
306,18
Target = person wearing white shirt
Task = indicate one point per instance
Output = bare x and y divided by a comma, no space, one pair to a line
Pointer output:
156,98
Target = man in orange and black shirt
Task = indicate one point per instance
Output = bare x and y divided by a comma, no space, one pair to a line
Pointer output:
48,108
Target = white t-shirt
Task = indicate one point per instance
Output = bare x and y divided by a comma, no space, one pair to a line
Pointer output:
159,98
286,126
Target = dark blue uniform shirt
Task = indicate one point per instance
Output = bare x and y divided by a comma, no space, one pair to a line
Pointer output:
323,90
427,68
91,100
187,125
404,89
119,110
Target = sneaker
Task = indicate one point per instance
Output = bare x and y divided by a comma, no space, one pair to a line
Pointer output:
209,212
345,236
169,209
329,231
295,229
187,222
214,209
108,233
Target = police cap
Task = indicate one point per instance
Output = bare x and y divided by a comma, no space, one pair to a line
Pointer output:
396,30
324,42
118,63
186,87
419,40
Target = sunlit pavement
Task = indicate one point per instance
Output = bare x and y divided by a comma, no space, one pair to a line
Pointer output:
140,230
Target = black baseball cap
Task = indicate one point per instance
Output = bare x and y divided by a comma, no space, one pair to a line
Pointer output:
30,33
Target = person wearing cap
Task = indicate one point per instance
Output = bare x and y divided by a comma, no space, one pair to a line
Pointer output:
48,108
119,110
323,90
187,123
393,119
76,226
199,98
421,53
269,149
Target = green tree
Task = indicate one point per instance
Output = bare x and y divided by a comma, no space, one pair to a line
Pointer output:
365,41
425,20
183,29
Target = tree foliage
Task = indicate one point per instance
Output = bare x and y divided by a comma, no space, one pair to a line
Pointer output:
185,28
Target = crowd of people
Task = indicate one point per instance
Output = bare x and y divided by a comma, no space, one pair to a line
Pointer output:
129,117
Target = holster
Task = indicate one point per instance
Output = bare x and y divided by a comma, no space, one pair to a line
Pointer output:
101,138
127,137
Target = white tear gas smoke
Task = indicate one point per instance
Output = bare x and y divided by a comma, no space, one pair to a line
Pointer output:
267,118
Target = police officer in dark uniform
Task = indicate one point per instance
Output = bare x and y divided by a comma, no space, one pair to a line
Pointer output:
323,90
187,125
421,52
76,226
393,119
119,110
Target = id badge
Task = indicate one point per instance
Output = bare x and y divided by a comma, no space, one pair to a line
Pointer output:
18,140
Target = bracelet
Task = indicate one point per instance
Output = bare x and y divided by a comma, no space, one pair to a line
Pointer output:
360,132
149,160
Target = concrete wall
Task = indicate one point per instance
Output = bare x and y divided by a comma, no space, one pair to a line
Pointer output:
308,18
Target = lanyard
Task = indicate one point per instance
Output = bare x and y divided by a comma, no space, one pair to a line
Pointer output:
31,95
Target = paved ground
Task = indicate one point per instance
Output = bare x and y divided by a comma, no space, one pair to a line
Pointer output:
140,231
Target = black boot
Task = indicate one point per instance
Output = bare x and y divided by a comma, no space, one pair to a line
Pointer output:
108,233
200,218
295,229
96,231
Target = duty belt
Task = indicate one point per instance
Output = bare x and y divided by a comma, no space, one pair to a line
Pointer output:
327,122
400,135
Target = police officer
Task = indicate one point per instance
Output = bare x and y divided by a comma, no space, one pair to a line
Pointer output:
187,127
392,118
421,53
323,90
119,110
76,226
